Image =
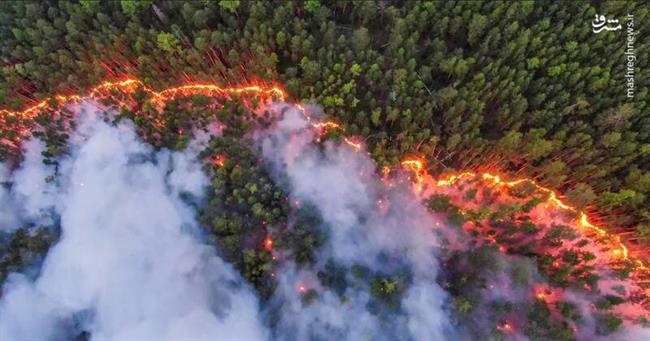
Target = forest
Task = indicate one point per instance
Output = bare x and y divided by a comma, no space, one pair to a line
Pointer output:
524,88
519,89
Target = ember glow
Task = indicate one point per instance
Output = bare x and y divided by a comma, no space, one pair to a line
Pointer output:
417,166
355,145
268,244
505,327
619,250
267,92
130,85
20,121
422,180
219,160
414,164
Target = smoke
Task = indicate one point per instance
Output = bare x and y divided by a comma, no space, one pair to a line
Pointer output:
26,195
395,241
129,263
633,333
8,217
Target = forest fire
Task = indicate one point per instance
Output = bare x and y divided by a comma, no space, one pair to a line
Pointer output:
619,250
353,144
505,327
129,86
417,165
219,160
407,170
268,244
326,125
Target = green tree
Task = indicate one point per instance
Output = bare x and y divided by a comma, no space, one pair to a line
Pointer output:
229,5
360,39
168,42
312,6
132,7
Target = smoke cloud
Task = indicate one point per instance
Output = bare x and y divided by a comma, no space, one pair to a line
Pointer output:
129,263
383,229
26,195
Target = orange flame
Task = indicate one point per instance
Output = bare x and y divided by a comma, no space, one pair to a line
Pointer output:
619,249
130,85
162,96
355,145
268,244
414,164
417,166
219,160
326,124
505,327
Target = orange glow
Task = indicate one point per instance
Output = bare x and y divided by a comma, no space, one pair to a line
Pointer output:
417,166
353,144
619,250
326,124
268,244
219,160
505,327
129,86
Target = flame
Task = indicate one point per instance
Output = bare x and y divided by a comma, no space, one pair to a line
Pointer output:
412,163
505,327
355,145
417,166
219,160
326,125
130,85
268,244
619,251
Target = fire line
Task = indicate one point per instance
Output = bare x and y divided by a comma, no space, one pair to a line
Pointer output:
417,166
414,164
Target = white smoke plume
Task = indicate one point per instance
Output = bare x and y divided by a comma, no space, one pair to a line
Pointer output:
129,263
9,219
30,196
344,187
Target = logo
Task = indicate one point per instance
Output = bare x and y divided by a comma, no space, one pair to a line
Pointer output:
600,23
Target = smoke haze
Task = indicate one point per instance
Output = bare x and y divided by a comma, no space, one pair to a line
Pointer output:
131,262
128,264
342,184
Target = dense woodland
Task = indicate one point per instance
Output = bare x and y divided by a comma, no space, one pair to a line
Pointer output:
521,88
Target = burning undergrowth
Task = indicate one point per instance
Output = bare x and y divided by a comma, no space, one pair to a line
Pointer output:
374,275
129,262
332,247
575,274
